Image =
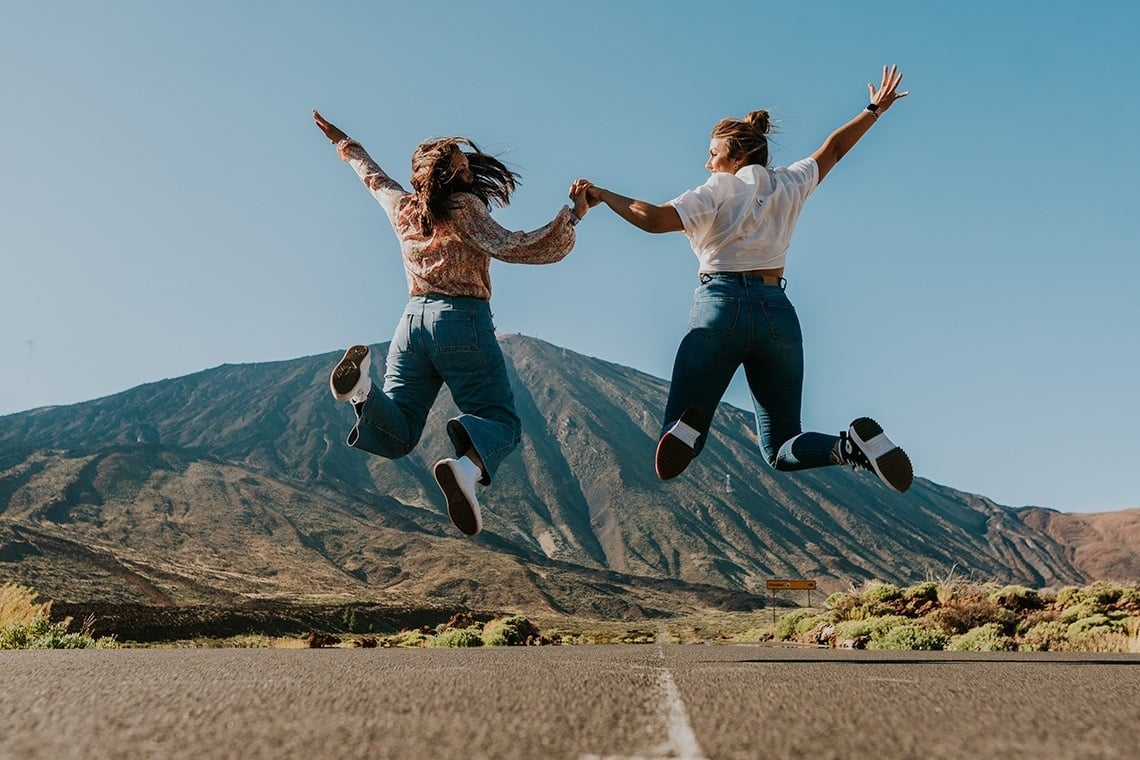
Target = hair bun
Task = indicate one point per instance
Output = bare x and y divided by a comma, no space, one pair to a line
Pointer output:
759,121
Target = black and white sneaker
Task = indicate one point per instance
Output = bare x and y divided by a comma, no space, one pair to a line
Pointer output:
457,478
349,379
865,446
677,446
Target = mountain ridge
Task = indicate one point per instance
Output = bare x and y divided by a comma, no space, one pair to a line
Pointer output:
234,483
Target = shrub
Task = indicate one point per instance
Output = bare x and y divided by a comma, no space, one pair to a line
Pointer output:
909,636
842,606
457,637
927,591
878,593
1017,598
509,632
1129,600
1097,622
41,633
754,636
405,639
1046,636
984,638
787,624
1067,596
969,610
853,629
1086,608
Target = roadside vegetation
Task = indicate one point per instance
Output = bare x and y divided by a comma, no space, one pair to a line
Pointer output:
948,614
967,616
26,624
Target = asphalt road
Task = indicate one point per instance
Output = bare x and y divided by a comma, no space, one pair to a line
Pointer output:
581,703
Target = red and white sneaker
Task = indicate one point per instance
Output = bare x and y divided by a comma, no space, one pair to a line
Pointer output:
865,446
677,446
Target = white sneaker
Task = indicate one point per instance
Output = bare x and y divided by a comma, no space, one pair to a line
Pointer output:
866,446
457,478
349,379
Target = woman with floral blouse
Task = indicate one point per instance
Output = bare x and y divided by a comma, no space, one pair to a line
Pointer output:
446,333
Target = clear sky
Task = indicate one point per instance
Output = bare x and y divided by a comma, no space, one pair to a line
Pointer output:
968,275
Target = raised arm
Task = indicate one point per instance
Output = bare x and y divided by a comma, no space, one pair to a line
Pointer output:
384,189
641,214
839,142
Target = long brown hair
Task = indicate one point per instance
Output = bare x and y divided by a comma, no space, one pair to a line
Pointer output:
434,181
746,138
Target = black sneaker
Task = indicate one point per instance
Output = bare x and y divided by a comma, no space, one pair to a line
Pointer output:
865,446
349,379
677,446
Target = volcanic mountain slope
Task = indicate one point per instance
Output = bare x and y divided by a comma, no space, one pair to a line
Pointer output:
235,483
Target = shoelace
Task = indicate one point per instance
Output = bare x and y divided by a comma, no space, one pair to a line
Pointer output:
851,454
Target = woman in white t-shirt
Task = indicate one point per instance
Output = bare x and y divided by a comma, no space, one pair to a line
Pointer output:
740,223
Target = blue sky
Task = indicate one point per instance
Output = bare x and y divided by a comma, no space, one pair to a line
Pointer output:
967,275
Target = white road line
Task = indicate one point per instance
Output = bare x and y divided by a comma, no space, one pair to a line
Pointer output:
682,743
681,736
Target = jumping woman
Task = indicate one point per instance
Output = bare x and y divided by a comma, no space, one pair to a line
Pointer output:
740,224
446,334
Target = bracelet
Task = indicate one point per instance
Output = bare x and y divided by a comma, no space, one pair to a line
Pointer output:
574,218
873,109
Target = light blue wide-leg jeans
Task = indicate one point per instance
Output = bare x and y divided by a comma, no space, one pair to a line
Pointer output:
738,320
442,339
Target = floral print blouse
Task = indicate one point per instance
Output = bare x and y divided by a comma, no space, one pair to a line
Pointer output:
455,260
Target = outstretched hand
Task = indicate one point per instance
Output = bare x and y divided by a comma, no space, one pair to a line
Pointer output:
888,88
331,130
580,194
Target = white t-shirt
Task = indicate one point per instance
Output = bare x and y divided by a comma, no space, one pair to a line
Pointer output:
742,221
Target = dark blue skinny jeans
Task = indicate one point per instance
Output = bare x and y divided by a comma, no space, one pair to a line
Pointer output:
737,320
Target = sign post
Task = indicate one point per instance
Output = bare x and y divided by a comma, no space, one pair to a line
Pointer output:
789,584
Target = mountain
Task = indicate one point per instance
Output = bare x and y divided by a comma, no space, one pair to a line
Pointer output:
235,484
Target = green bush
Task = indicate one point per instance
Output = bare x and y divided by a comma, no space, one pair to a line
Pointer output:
405,640
985,638
879,593
1098,622
457,637
927,591
1068,596
1017,598
909,636
41,633
842,606
509,632
788,623
1046,636
1086,608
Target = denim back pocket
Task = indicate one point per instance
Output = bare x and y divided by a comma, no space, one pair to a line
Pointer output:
783,322
454,331
714,317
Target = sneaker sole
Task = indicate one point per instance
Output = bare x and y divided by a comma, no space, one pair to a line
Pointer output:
673,454
459,509
346,374
889,462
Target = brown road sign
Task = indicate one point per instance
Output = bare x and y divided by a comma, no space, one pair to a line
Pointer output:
790,584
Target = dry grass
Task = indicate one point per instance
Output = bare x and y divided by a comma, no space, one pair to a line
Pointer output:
18,606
